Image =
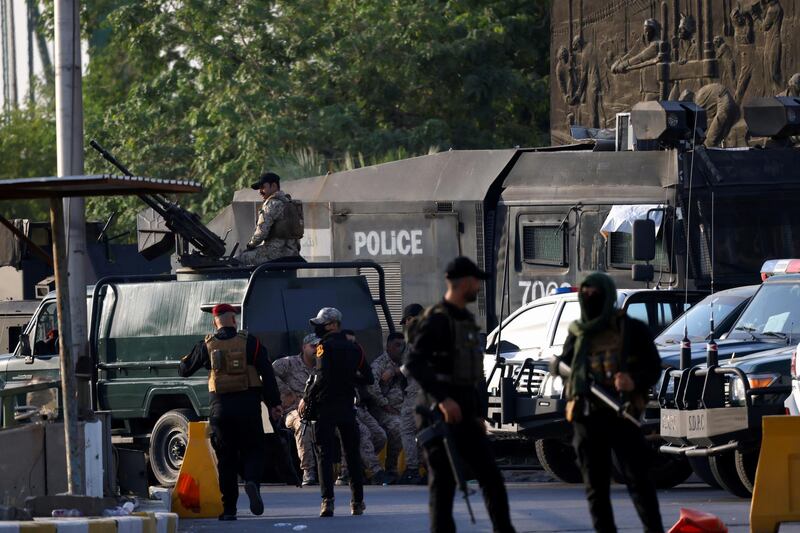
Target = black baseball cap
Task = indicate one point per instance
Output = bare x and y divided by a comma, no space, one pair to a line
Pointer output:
462,267
267,177
410,311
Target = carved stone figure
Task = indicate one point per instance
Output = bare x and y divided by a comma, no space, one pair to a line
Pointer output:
647,57
725,63
793,87
588,89
745,50
771,23
721,110
687,45
564,74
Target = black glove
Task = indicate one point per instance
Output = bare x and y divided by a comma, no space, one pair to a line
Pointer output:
250,246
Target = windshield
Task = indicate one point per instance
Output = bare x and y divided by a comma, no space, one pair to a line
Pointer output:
697,320
773,313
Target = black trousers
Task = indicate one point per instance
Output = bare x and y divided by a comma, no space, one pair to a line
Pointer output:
239,445
596,435
476,453
344,419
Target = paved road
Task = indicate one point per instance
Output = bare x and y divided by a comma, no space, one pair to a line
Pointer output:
403,509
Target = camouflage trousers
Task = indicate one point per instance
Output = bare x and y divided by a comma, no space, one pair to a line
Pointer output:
305,445
269,251
371,441
394,436
408,432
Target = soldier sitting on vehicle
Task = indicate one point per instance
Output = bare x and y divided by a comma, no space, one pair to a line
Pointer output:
280,224
388,393
291,373
408,423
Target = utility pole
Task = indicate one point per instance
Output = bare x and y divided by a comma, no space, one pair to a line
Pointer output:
69,147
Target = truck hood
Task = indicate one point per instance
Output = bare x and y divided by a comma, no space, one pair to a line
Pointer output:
778,361
725,349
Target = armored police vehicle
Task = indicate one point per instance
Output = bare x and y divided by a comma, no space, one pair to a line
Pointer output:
540,218
711,412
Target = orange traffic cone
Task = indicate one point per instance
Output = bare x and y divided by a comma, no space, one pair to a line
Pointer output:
692,521
196,493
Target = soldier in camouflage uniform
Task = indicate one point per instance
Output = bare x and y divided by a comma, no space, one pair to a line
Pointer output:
279,227
291,373
408,427
388,394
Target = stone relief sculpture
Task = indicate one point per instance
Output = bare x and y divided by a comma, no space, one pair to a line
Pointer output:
647,57
718,53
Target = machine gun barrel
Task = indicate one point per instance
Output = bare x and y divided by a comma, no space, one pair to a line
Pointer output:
185,223
438,430
602,395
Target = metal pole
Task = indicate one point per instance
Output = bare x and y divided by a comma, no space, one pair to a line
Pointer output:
70,229
69,145
69,386
12,57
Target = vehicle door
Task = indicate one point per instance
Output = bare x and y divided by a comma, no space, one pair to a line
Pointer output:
568,313
525,336
43,360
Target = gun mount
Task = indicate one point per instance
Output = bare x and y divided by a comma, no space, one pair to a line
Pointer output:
166,224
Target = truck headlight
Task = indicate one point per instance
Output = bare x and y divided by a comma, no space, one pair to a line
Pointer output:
755,381
553,386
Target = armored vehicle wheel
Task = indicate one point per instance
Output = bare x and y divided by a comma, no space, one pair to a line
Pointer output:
558,459
702,468
168,444
746,463
668,471
723,466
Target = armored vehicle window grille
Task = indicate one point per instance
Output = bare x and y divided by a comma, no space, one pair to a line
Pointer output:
543,245
444,207
620,253
394,291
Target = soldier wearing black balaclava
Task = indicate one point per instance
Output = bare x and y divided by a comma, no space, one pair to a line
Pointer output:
607,348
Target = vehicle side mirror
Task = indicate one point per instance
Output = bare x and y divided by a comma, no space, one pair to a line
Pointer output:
25,346
644,240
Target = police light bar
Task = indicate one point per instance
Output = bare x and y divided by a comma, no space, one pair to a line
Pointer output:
779,266
563,290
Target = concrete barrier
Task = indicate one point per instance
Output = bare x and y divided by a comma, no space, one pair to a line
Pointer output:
135,523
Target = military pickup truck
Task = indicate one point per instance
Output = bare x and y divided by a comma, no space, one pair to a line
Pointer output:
140,327
711,410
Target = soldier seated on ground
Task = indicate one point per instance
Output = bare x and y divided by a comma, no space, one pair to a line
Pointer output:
291,373
408,424
388,393
279,227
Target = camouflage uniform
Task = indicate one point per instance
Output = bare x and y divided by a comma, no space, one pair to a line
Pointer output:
291,374
408,425
372,440
388,395
269,248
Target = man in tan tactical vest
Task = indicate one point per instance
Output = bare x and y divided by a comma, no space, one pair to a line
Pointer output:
279,227
240,377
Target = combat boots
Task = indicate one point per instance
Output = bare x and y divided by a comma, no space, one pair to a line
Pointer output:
357,508
326,509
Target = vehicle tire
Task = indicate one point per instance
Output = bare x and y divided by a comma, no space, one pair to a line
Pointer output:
669,471
746,463
558,459
168,444
702,468
723,466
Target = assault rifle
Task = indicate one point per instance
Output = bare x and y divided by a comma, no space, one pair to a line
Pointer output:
310,413
438,430
602,395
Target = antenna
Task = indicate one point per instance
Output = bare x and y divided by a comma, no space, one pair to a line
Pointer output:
686,344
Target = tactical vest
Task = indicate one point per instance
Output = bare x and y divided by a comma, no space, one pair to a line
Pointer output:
291,225
466,353
230,370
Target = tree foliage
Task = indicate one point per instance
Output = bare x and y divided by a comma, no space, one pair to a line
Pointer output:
217,91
